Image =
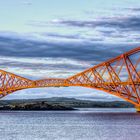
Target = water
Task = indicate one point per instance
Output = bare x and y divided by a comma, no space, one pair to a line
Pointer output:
86,124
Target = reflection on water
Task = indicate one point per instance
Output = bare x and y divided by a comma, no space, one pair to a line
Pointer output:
86,124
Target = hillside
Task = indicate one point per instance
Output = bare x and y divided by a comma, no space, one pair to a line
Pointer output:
59,103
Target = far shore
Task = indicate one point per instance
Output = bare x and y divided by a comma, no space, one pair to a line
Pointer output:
59,103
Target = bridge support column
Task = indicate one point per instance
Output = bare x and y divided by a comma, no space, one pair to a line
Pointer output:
137,109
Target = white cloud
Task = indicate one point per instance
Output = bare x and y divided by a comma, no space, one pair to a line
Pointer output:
37,68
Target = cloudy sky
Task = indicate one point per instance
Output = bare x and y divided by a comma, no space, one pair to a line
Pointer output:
58,38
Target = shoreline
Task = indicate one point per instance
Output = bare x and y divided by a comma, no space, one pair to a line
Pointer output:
59,103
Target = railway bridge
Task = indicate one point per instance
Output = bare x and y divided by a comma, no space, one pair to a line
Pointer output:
119,76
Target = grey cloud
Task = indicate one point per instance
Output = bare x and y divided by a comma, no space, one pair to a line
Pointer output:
135,9
123,23
39,66
65,36
72,37
81,50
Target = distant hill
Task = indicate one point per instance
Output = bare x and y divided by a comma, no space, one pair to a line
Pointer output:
66,102
30,105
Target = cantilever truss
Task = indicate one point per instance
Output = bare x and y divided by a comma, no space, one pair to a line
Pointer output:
119,76
10,82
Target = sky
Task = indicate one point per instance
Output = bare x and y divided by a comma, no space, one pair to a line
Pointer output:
58,38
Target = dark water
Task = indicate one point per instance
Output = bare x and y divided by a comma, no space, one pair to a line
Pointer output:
91,124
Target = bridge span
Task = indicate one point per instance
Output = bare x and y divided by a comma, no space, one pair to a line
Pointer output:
119,76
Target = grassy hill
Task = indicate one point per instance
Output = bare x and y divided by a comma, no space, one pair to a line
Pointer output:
60,103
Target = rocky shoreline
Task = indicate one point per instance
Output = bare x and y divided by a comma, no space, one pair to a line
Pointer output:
59,103
34,107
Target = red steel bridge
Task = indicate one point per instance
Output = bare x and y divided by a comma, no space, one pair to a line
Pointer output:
119,76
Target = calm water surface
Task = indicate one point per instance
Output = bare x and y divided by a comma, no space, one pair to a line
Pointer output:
86,124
